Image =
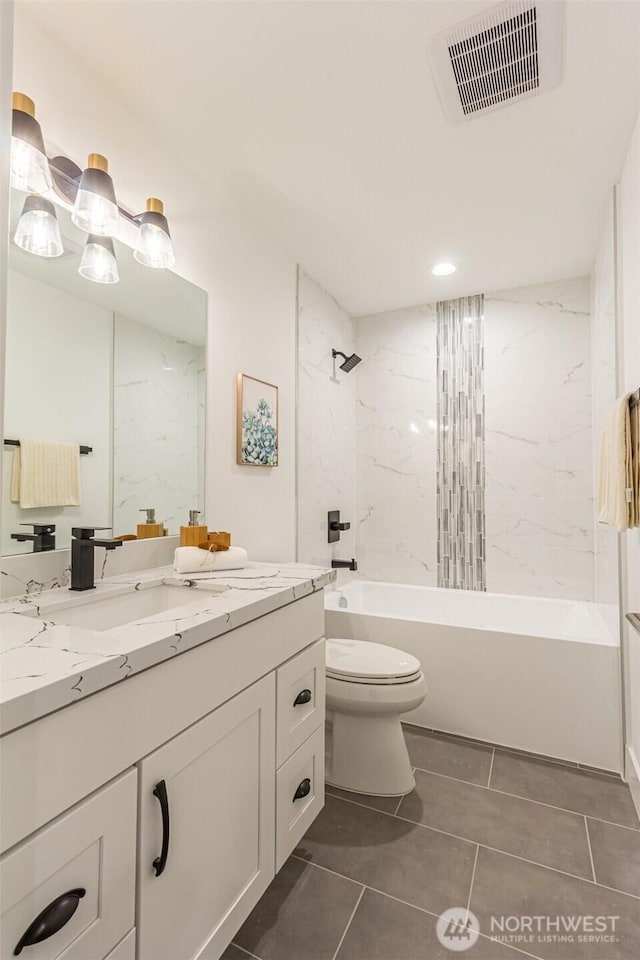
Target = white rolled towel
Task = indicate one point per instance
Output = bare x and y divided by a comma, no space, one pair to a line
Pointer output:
195,560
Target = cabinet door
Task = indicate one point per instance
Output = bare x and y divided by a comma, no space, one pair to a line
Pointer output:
205,861
75,879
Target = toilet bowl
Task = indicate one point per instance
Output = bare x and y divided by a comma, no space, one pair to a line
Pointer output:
369,687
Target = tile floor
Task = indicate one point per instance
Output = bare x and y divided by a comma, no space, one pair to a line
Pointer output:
500,833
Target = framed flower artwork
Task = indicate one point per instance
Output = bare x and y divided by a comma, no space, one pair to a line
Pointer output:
257,432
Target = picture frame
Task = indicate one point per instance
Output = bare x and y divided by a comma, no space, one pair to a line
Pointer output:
257,433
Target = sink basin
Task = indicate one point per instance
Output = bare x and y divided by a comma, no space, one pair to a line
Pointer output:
108,612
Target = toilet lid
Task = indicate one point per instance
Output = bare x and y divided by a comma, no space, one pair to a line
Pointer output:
361,660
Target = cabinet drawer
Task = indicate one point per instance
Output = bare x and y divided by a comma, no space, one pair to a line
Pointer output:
91,848
299,794
301,691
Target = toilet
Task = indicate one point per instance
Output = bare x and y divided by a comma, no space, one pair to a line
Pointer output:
369,687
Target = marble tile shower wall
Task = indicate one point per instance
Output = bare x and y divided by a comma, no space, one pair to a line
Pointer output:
396,422
158,412
326,440
538,449
539,523
539,454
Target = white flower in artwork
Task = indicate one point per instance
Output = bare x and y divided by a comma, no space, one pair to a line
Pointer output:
259,436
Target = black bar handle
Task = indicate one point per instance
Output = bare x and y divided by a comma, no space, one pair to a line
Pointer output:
304,789
51,919
303,697
160,791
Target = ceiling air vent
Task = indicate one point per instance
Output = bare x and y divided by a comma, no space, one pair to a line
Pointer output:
508,53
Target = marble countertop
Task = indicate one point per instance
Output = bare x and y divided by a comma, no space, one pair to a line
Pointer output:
46,665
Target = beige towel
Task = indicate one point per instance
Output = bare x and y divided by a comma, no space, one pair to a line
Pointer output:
46,474
619,483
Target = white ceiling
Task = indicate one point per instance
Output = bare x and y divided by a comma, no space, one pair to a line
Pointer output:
322,121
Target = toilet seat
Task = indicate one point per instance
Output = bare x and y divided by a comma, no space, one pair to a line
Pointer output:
359,661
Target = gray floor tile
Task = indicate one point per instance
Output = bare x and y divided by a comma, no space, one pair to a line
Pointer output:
552,837
384,929
616,856
592,794
442,754
386,804
234,953
420,866
301,916
507,887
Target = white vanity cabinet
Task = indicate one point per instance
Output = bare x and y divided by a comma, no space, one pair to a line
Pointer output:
205,841
171,799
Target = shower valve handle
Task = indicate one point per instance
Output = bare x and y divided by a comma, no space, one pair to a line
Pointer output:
339,526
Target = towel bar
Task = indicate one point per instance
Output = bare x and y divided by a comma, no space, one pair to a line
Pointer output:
16,443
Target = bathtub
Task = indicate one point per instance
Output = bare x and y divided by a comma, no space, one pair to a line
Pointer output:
525,672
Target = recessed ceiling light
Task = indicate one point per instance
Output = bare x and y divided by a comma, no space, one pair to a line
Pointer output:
444,269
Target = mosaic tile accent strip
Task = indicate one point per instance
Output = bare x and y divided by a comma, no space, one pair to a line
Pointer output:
460,490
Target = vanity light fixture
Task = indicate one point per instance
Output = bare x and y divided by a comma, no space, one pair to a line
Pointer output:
99,260
154,247
38,231
29,164
444,269
95,209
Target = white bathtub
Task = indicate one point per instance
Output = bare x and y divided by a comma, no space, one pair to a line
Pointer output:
526,672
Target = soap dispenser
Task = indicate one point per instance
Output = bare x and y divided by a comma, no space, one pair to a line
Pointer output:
150,528
195,533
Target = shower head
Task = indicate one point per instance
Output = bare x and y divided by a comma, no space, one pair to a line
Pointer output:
349,362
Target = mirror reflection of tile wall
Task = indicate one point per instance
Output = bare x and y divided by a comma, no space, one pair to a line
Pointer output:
119,368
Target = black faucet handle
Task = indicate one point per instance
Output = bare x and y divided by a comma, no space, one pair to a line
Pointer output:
41,527
86,533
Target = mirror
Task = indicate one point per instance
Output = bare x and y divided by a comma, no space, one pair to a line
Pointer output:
117,368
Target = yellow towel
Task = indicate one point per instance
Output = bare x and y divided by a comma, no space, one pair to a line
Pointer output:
46,474
619,483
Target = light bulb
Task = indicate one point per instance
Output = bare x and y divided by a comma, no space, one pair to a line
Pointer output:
29,164
444,269
38,231
95,209
154,247
99,260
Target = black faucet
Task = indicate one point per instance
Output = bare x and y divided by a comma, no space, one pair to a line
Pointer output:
82,554
42,537
344,564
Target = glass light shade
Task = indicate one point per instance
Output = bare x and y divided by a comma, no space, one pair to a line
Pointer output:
29,164
38,231
29,168
95,209
99,260
154,247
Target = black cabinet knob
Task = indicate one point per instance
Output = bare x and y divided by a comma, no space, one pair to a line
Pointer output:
303,697
160,793
303,790
51,919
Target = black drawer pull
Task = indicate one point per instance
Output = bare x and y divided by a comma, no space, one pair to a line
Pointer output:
304,789
160,791
303,697
51,919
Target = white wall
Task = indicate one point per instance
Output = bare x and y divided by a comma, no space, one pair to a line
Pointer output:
250,281
604,391
58,387
628,238
326,424
6,64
